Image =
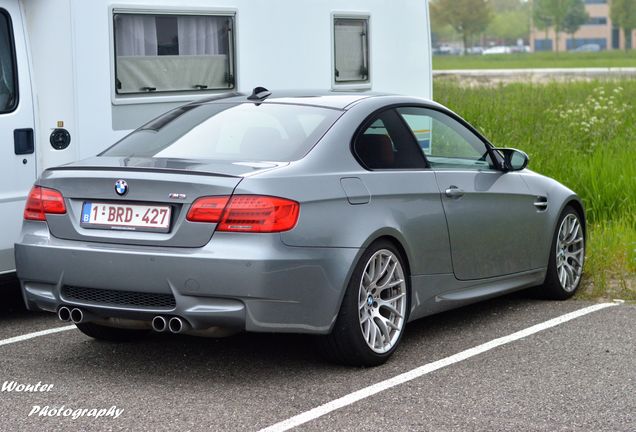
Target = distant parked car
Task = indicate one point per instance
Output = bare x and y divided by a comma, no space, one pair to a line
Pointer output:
498,50
520,49
475,50
345,215
587,48
447,50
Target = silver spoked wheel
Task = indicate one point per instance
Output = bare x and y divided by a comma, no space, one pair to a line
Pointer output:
570,252
382,301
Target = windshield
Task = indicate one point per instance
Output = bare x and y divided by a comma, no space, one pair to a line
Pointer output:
243,131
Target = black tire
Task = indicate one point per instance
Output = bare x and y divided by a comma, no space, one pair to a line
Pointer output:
110,334
552,287
346,344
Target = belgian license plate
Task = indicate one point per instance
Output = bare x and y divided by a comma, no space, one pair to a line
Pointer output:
126,217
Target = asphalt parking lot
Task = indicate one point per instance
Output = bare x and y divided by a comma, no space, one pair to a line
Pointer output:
578,375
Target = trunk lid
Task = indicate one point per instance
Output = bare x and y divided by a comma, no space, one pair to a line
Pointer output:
172,183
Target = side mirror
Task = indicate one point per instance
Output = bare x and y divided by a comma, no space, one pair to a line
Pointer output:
514,160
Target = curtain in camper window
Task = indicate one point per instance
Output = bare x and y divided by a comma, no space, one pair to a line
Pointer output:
201,36
168,53
136,35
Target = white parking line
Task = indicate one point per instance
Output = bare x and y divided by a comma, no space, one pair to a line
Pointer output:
426,369
28,336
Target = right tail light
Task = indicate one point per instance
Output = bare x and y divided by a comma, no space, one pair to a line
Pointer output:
246,213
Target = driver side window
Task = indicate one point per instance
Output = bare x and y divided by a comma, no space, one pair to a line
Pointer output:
445,142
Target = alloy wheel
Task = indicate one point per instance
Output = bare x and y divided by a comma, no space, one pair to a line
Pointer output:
570,252
382,301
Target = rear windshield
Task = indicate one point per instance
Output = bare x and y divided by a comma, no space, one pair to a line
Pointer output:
217,131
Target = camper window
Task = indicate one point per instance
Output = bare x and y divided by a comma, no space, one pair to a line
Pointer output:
351,50
158,53
8,78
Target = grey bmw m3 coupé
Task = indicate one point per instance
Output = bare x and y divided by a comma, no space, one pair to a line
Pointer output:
342,215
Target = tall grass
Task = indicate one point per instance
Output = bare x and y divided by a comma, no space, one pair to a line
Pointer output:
574,134
537,60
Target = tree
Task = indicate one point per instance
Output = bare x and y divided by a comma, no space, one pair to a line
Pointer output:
507,5
509,26
466,17
539,18
511,20
442,32
623,15
574,18
553,11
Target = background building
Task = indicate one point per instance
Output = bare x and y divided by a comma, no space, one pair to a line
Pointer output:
598,30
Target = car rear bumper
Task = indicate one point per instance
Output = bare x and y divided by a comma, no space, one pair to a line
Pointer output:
243,281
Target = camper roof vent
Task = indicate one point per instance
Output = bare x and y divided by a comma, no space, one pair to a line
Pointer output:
259,93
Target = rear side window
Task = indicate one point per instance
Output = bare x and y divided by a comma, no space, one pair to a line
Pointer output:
223,131
386,144
8,76
173,53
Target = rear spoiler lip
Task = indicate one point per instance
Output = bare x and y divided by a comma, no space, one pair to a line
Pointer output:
140,169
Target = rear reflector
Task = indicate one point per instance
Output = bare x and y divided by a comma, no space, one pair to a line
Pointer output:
42,201
255,213
246,213
207,209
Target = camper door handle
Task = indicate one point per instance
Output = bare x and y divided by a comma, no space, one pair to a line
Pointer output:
200,86
149,89
23,141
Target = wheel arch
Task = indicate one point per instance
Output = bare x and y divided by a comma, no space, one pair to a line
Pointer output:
549,288
576,203
396,239
578,206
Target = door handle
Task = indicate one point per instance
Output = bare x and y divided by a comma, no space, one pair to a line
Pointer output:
23,143
541,203
454,192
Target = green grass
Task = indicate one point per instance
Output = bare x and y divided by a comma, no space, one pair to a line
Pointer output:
584,135
537,60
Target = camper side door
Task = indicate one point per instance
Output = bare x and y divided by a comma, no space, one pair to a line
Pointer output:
17,150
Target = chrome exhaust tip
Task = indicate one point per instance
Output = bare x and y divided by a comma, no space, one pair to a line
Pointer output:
159,324
177,325
64,314
77,316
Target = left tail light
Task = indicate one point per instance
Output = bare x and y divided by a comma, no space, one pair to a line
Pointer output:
42,201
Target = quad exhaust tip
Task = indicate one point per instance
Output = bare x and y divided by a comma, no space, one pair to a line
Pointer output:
64,314
159,324
77,316
177,325
173,325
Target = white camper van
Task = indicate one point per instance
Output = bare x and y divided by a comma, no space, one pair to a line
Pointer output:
77,75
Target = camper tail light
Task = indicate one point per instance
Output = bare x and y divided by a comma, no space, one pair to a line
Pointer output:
42,201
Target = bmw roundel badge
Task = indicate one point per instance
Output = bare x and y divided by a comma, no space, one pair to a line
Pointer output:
121,187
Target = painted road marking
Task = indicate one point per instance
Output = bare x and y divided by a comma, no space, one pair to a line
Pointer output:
35,334
371,390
